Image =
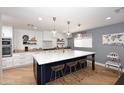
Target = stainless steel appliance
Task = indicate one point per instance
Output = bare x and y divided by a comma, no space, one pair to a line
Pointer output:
6,47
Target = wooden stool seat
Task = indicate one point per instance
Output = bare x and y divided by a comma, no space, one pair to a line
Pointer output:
72,64
82,61
89,58
57,69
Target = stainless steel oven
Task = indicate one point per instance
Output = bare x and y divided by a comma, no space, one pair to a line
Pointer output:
6,51
6,47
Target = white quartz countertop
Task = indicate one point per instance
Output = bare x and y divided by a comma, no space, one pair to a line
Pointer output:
54,56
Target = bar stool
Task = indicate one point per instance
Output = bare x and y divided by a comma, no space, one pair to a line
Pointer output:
89,58
58,68
82,61
70,65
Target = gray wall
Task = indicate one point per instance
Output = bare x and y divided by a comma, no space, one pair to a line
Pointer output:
100,49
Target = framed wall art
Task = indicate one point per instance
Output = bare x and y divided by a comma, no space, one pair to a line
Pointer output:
113,39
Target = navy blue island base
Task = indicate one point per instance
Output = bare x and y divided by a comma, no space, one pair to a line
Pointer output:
42,72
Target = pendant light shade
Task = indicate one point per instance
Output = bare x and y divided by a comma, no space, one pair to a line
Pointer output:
79,35
54,29
68,33
79,25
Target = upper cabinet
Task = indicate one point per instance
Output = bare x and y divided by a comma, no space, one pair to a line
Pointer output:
7,31
47,36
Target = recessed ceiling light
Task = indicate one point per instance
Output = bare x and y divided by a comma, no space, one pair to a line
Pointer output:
108,18
40,19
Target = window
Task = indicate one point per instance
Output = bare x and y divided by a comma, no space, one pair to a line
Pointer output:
83,41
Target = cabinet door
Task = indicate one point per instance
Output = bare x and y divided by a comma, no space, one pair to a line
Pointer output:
22,59
7,62
7,31
18,59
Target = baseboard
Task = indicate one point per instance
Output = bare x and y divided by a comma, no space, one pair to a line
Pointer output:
100,64
103,65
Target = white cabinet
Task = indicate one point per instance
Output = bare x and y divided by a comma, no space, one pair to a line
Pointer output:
47,40
7,31
7,62
18,59
47,36
22,59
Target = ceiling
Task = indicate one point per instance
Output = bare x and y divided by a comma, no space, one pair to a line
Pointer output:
88,17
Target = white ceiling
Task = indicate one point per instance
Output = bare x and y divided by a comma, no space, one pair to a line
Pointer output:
88,17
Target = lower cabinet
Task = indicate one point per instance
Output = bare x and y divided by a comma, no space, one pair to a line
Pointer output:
7,62
18,59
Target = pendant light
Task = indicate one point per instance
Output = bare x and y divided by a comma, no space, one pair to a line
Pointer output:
54,30
68,33
79,35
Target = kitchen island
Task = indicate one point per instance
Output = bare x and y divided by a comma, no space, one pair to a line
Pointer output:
42,62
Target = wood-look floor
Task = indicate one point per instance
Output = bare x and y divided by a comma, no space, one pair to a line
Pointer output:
19,76
101,76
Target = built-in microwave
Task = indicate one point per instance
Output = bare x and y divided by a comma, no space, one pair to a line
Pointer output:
6,41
